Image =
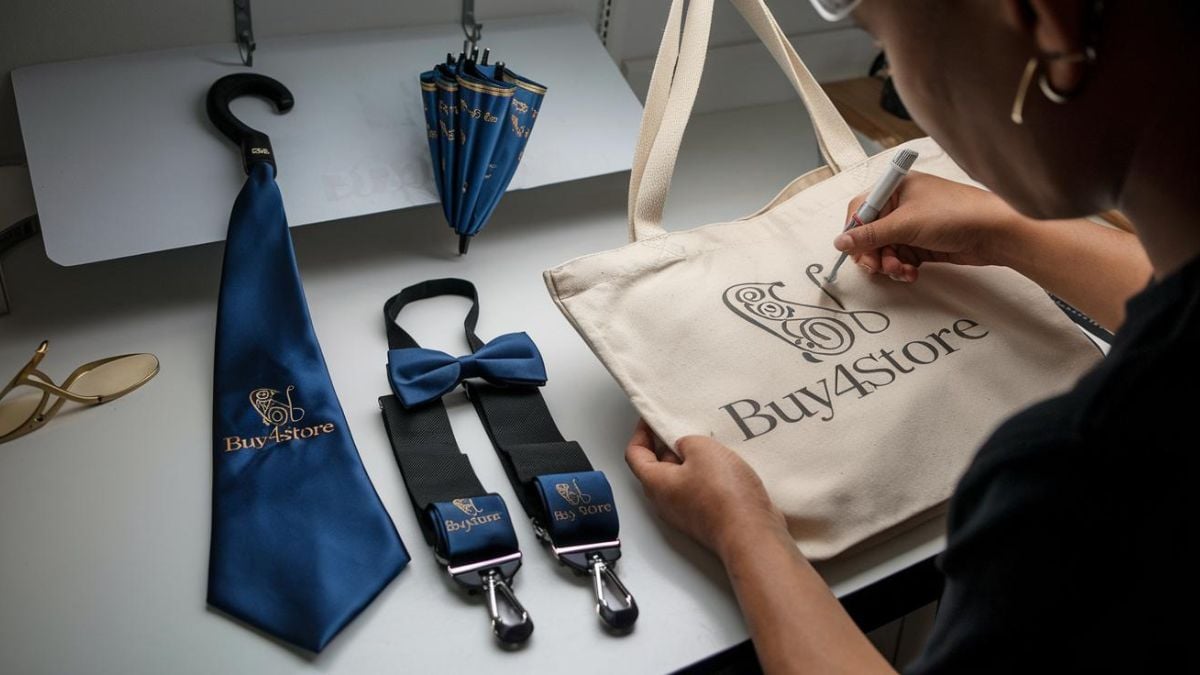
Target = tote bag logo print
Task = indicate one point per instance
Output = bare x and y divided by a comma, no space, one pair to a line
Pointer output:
816,331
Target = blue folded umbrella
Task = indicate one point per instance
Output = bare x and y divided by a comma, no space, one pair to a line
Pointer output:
478,119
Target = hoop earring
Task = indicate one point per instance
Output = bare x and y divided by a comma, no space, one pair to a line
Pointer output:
1035,67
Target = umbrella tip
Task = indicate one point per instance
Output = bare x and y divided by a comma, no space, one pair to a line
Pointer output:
464,242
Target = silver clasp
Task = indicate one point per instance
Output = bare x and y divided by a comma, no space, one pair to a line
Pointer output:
597,560
510,623
510,620
621,616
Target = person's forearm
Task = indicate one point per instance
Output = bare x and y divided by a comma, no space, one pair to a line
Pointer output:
1094,268
797,625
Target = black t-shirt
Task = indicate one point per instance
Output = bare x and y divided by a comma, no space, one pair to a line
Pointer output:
1072,542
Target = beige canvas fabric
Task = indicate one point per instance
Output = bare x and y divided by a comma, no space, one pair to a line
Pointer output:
860,404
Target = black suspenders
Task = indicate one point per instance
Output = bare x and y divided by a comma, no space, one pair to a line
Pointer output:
469,529
569,503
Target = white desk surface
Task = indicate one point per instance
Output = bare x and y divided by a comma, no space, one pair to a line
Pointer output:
104,514
124,160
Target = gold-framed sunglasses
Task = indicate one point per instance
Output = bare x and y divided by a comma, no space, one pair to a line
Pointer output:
31,399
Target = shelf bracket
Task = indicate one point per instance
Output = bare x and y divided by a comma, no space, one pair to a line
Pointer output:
243,31
472,29
23,229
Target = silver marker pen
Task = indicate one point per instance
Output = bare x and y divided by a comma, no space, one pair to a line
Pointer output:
869,210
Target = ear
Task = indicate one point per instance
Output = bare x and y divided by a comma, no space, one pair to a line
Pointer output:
1052,27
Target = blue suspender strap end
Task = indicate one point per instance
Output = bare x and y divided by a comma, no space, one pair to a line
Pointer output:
469,529
570,505
581,527
473,535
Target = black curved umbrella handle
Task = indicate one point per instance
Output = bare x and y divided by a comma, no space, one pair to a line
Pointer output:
255,145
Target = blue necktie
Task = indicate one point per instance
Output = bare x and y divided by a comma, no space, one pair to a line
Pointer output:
300,540
421,375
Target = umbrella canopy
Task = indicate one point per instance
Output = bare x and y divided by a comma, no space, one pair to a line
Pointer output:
522,113
478,120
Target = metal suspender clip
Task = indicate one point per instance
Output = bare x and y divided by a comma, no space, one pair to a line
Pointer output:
597,561
510,621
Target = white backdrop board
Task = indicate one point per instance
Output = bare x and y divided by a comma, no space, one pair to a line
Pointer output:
124,161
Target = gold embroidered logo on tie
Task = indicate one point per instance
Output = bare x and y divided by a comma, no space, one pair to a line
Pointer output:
273,412
279,413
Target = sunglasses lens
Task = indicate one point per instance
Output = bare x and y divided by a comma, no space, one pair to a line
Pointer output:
17,408
117,376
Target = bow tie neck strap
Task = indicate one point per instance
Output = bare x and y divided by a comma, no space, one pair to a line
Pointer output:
398,338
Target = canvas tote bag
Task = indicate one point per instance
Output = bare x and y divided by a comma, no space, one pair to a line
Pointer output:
859,405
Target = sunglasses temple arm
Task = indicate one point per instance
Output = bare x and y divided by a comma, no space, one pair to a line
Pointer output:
42,382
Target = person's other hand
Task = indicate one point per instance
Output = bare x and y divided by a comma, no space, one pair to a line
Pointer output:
704,489
929,219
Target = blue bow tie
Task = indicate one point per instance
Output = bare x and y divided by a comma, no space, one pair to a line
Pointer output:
422,375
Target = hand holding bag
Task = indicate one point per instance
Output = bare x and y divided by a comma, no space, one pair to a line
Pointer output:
858,404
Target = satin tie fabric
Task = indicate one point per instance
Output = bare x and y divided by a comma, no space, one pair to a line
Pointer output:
421,375
300,540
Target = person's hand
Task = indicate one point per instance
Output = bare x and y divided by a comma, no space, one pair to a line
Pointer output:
704,490
930,219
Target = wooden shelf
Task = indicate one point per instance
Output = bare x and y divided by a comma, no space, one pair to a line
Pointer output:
858,101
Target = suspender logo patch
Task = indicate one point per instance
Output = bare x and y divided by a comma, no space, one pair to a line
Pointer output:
579,500
281,414
572,493
814,330
467,506
477,517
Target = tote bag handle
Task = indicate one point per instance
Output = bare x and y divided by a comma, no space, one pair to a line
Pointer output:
673,86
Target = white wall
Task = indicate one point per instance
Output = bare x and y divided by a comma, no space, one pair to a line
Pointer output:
738,70
40,31
637,24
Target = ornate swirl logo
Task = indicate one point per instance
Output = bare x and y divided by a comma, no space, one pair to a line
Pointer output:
274,412
519,129
572,493
467,506
815,330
